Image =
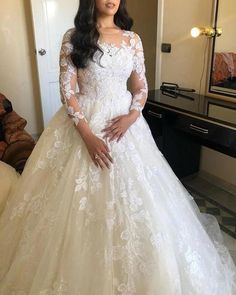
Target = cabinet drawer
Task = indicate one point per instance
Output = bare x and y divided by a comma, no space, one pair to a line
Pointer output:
154,117
153,112
213,134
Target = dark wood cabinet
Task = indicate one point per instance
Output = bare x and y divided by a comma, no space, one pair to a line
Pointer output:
180,130
180,151
215,136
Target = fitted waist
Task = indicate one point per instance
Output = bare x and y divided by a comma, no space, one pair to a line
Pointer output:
98,110
110,99
100,90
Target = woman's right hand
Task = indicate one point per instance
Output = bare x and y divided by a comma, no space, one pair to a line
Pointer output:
96,146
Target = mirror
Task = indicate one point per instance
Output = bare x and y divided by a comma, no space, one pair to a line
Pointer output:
223,63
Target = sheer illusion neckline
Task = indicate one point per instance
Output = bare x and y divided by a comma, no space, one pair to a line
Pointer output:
112,44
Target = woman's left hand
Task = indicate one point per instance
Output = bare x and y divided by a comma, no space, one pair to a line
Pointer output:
118,127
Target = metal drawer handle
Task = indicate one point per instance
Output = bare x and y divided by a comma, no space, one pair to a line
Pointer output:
199,129
158,115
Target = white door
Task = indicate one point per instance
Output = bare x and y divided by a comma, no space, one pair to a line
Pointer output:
51,18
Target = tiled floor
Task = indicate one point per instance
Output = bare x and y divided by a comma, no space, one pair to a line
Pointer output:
228,230
216,198
226,222
226,217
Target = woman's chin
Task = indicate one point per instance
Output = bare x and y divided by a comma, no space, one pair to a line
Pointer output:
109,12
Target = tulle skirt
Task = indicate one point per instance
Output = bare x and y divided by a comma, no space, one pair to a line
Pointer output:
72,228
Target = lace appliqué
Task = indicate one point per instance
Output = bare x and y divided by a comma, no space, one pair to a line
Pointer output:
30,203
140,80
58,148
111,48
58,288
68,80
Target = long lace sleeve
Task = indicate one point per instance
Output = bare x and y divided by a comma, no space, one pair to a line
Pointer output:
68,81
138,77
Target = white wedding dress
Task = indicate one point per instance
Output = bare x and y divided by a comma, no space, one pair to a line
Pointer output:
71,228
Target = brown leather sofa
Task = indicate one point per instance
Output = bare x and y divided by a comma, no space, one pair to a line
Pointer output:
16,144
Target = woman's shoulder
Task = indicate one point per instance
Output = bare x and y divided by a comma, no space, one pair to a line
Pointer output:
134,36
131,33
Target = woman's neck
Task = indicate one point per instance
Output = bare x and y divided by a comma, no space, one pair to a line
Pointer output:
106,23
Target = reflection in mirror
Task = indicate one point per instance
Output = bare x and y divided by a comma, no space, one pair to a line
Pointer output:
223,70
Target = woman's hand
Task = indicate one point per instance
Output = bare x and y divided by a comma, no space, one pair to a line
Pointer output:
98,151
119,125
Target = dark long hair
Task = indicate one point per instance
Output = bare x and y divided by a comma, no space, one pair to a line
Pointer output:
85,36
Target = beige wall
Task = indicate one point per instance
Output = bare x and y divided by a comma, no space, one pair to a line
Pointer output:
144,14
185,63
18,77
219,165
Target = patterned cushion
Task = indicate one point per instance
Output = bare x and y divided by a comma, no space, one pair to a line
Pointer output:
12,122
11,137
3,146
2,109
5,105
1,131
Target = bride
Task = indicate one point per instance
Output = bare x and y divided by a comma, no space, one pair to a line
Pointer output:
97,209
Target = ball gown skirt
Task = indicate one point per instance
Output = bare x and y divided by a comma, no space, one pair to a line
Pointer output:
72,228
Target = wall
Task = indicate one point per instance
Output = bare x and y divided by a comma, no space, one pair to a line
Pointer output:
184,65
144,14
18,75
219,165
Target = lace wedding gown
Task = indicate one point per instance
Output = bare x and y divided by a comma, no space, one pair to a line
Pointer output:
71,228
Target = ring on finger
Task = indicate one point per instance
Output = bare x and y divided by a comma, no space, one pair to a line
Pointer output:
96,157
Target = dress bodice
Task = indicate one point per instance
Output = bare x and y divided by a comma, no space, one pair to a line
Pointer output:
109,70
106,73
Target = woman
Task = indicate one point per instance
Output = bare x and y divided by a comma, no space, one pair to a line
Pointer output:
97,209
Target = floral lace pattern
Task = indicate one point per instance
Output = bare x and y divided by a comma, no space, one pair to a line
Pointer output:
139,71
71,228
68,73
68,80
